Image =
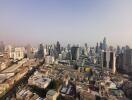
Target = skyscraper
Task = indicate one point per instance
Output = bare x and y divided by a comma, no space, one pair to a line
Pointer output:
86,49
19,53
75,53
97,48
58,49
118,51
109,60
104,44
29,51
68,47
101,45
40,53
2,46
127,59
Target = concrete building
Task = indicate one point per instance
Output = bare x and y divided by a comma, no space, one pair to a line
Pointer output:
9,51
104,44
19,53
24,95
51,95
49,59
2,46
75,53
40,53
124,61
39,80
127,60
108,60
29,51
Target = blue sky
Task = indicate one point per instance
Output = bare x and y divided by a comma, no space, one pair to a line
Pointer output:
69,21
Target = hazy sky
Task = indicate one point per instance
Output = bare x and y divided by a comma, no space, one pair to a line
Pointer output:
69,21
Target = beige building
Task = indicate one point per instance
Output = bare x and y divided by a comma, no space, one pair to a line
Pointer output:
19,53
51,95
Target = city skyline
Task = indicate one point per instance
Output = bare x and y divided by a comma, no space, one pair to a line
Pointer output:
75,22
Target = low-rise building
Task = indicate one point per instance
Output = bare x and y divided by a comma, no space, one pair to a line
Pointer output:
39,80
24,95
51,95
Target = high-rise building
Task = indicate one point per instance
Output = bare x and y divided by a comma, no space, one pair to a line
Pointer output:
68,47
49,59
109,60
2,46
120,61
97,48
85,50
101,45
29,51
19,53
104,44
40,53
75,53
9,51
69,56
58,48
118,51
127,60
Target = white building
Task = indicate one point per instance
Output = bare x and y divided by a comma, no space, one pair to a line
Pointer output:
49,59
19,53
9,50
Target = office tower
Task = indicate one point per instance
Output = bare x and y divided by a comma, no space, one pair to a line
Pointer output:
118,51
92,51
29,51
40,53
75,53
49,59
68,47
58,48
83,51
69,56
86,45
127,60
2,46
9,51
64,54
51,52
111,48
113,63
46,52
104,44
97,48
101,46
127,47
19,53
109,60
86,48
124,59
120,61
